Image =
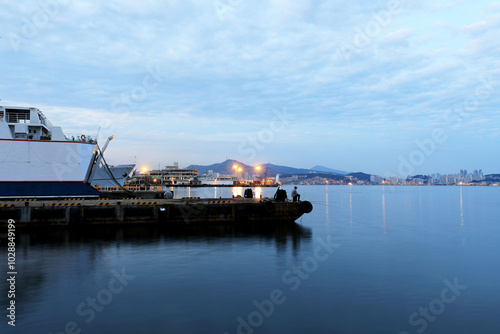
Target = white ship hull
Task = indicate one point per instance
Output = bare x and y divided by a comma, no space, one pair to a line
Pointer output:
47,161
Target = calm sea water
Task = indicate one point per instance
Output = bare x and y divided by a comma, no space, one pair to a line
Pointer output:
368,259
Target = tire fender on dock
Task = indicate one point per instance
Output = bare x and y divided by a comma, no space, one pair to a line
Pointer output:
306,206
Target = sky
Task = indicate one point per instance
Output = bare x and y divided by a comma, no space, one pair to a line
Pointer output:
383,87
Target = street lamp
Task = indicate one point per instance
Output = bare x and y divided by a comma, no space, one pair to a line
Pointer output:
258,168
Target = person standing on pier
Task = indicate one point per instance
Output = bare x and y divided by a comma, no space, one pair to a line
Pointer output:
295,194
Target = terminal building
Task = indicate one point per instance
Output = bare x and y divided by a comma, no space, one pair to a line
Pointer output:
168,176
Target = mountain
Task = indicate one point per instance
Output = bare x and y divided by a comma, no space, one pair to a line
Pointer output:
275,169
360,176
423,177
227,168
328,170
492,177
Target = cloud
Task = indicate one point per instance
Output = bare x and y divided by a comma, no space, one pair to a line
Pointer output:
483,26
224,72
399,36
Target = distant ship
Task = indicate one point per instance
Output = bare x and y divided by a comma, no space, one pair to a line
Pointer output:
38,160
119,174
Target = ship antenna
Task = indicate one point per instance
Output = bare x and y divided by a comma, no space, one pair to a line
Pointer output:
98,130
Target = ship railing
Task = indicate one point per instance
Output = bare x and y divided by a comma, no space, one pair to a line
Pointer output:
47,123
14,117
81,138
44,120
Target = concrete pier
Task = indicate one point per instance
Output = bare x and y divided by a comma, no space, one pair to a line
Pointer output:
80,212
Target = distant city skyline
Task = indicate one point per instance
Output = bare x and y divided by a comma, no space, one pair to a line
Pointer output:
383,87
229,164
233,172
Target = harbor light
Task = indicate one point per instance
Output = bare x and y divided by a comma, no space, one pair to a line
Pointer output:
257,169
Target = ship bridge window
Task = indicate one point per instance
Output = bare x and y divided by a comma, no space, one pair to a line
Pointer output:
18,116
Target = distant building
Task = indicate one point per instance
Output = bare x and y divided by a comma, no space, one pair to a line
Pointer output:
376,179
170,175
478,175
173,175
215,180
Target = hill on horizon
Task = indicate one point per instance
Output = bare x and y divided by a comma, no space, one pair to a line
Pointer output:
319,168
360,176
226,167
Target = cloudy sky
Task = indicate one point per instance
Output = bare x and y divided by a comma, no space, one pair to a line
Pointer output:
384,87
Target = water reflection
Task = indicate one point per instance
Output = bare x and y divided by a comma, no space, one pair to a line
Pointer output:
237,191
327,214
383,210
461,208
258,192
350,205
420,198
80,257
66,238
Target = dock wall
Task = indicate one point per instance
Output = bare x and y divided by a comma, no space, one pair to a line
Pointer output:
161,211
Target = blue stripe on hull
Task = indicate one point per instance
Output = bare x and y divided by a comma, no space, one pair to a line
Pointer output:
46,189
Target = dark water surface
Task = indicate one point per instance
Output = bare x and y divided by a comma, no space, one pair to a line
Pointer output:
368,259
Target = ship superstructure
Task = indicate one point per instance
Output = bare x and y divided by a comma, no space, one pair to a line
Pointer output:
38,160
